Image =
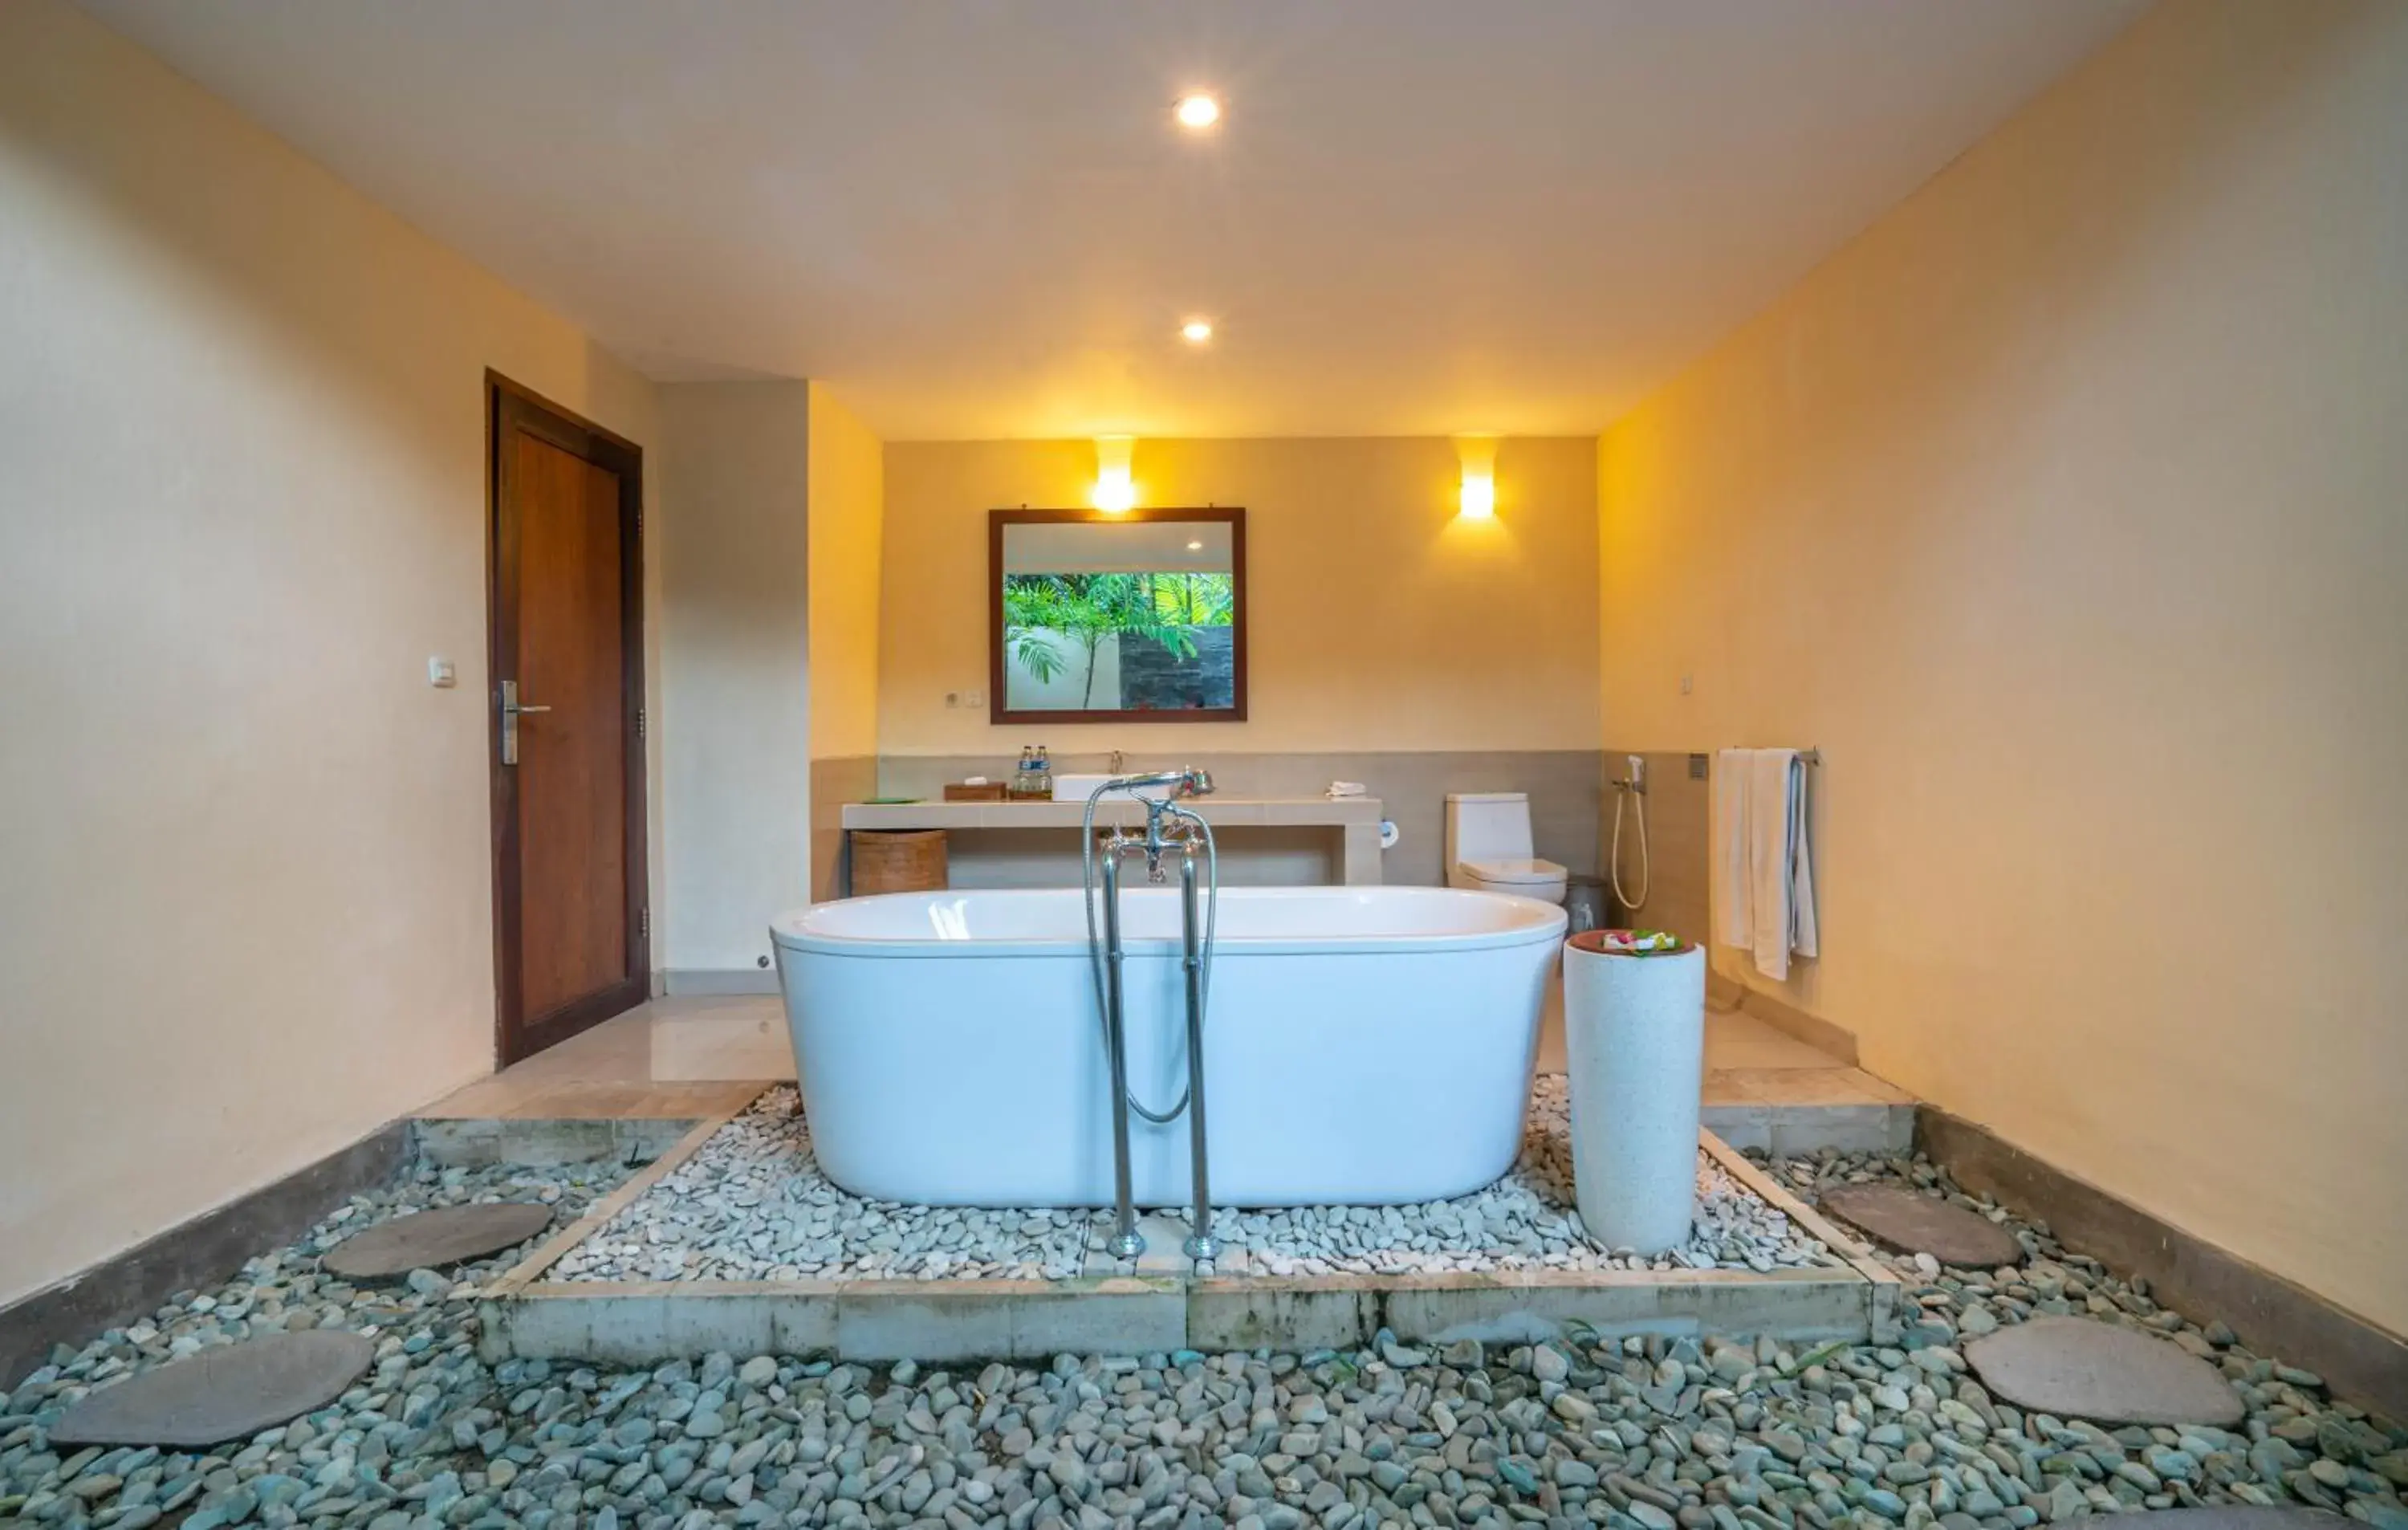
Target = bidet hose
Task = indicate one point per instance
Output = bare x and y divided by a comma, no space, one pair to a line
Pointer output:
1646,872
1094,944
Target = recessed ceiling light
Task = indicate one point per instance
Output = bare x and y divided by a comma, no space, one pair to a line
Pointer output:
1195,547
1198,111
1196,331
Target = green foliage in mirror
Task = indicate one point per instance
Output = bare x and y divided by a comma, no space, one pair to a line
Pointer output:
1042,612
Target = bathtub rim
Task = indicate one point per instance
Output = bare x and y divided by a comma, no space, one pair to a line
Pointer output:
790,933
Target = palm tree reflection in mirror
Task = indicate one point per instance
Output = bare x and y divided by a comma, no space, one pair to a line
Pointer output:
1046,614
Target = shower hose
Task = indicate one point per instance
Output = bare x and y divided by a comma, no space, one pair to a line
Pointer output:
1646,872
1094,944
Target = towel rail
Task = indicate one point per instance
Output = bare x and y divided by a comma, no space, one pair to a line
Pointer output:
1805,756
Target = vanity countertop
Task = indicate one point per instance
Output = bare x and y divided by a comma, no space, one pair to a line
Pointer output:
1215,809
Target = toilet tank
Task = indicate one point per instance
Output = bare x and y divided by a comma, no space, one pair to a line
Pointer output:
1486,826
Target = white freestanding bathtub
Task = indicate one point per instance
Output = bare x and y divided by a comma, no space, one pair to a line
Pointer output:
1366,1045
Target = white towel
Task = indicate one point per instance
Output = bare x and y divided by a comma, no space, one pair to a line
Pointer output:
1732,924
1802,865
1340,790
1764,887
1781,895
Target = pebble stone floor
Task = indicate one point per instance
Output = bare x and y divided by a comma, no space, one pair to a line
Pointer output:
1631,1434
751,1205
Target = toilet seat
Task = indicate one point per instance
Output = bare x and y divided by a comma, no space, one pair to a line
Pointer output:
1524,876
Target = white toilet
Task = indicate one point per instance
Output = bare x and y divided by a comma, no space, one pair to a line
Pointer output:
1488,846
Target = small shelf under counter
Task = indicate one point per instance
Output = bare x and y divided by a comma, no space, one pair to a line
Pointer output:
1261,839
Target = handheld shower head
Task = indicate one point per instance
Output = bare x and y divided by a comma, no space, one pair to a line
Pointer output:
1186,782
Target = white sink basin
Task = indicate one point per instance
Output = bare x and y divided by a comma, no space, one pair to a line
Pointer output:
1080,787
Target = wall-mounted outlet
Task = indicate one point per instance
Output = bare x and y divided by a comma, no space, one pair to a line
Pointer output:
953,698
973,699
1687,683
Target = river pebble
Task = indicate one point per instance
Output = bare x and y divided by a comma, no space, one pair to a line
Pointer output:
1525,1220
752,1205
1661,1432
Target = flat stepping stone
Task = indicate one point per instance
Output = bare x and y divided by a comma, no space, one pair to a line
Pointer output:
1919,1224
430,1239
2085,1369
230,1391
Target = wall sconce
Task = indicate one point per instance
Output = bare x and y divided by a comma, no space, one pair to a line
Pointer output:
1114,491
1479,457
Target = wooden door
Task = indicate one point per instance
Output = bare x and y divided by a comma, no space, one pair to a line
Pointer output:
571,937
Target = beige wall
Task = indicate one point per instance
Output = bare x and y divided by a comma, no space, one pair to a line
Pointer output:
2063,509
1377,620
847,509
244,889
736,716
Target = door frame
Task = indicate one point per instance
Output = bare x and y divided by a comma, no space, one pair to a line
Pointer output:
511,408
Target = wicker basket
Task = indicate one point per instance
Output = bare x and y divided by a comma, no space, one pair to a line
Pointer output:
898,861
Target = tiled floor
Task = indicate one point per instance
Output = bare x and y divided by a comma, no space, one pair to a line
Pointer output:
669,1059
694,1057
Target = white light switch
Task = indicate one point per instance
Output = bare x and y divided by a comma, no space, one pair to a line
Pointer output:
439,673
973,699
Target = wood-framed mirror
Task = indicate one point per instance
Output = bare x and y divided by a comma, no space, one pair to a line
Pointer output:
1134,616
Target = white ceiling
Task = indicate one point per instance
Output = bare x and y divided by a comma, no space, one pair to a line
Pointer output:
975,217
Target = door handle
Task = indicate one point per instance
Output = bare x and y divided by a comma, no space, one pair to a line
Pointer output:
512,709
